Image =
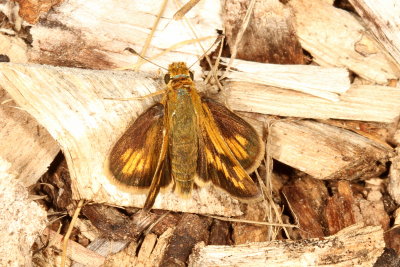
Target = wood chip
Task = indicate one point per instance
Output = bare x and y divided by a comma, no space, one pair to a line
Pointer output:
327,152
360,102
332,36
322,82
352,246
382,18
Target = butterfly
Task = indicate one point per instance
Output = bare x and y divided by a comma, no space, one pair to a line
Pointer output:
186,139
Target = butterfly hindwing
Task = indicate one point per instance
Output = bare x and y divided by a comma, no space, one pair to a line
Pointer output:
136,156
221,153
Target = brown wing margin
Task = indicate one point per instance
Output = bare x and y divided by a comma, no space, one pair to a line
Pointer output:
136,158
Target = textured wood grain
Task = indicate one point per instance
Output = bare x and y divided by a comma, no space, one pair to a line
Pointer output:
24,143
327,83
382,18
327,152
360,102
351,246
73,34
334,37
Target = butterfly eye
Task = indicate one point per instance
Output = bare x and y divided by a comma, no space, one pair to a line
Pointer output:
167,78
191,75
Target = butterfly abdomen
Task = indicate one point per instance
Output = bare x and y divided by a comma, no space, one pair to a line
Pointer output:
183,140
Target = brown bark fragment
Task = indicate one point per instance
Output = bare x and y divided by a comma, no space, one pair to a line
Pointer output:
244,233
339,209
115,225
190,230
169,221
30,10
219,234
306,197
270,35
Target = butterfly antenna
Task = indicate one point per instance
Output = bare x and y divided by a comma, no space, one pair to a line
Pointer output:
216,41
142,57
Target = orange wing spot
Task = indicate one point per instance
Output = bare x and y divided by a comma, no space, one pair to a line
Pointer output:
132,162
140,165
124,157
239,172
209,156
241,140
218,163
225,170
237,149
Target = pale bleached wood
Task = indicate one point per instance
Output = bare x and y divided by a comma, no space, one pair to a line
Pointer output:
24,143
353,246
323,82
150,254
14,47
21,219
336,38
88,36
360,102
70,104
325,151
75,251
382,18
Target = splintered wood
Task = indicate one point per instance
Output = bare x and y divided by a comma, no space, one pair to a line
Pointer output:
351,246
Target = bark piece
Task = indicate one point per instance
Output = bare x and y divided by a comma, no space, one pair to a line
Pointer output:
115,225
332,35
219,233
306,199
31,10
349,247
245,232
339,212
322,82
270,35
327,152
190,230
72,108
389,258
360,102
21,220
382,18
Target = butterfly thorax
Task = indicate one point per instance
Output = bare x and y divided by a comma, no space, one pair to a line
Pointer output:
182,131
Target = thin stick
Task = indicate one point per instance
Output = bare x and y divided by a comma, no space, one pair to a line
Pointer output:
206,56
67,235
185,9
150,37
136,97
239,36
250,221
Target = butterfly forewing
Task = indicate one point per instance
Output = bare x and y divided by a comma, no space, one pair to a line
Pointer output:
134,158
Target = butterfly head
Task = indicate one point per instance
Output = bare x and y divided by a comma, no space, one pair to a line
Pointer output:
178,70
